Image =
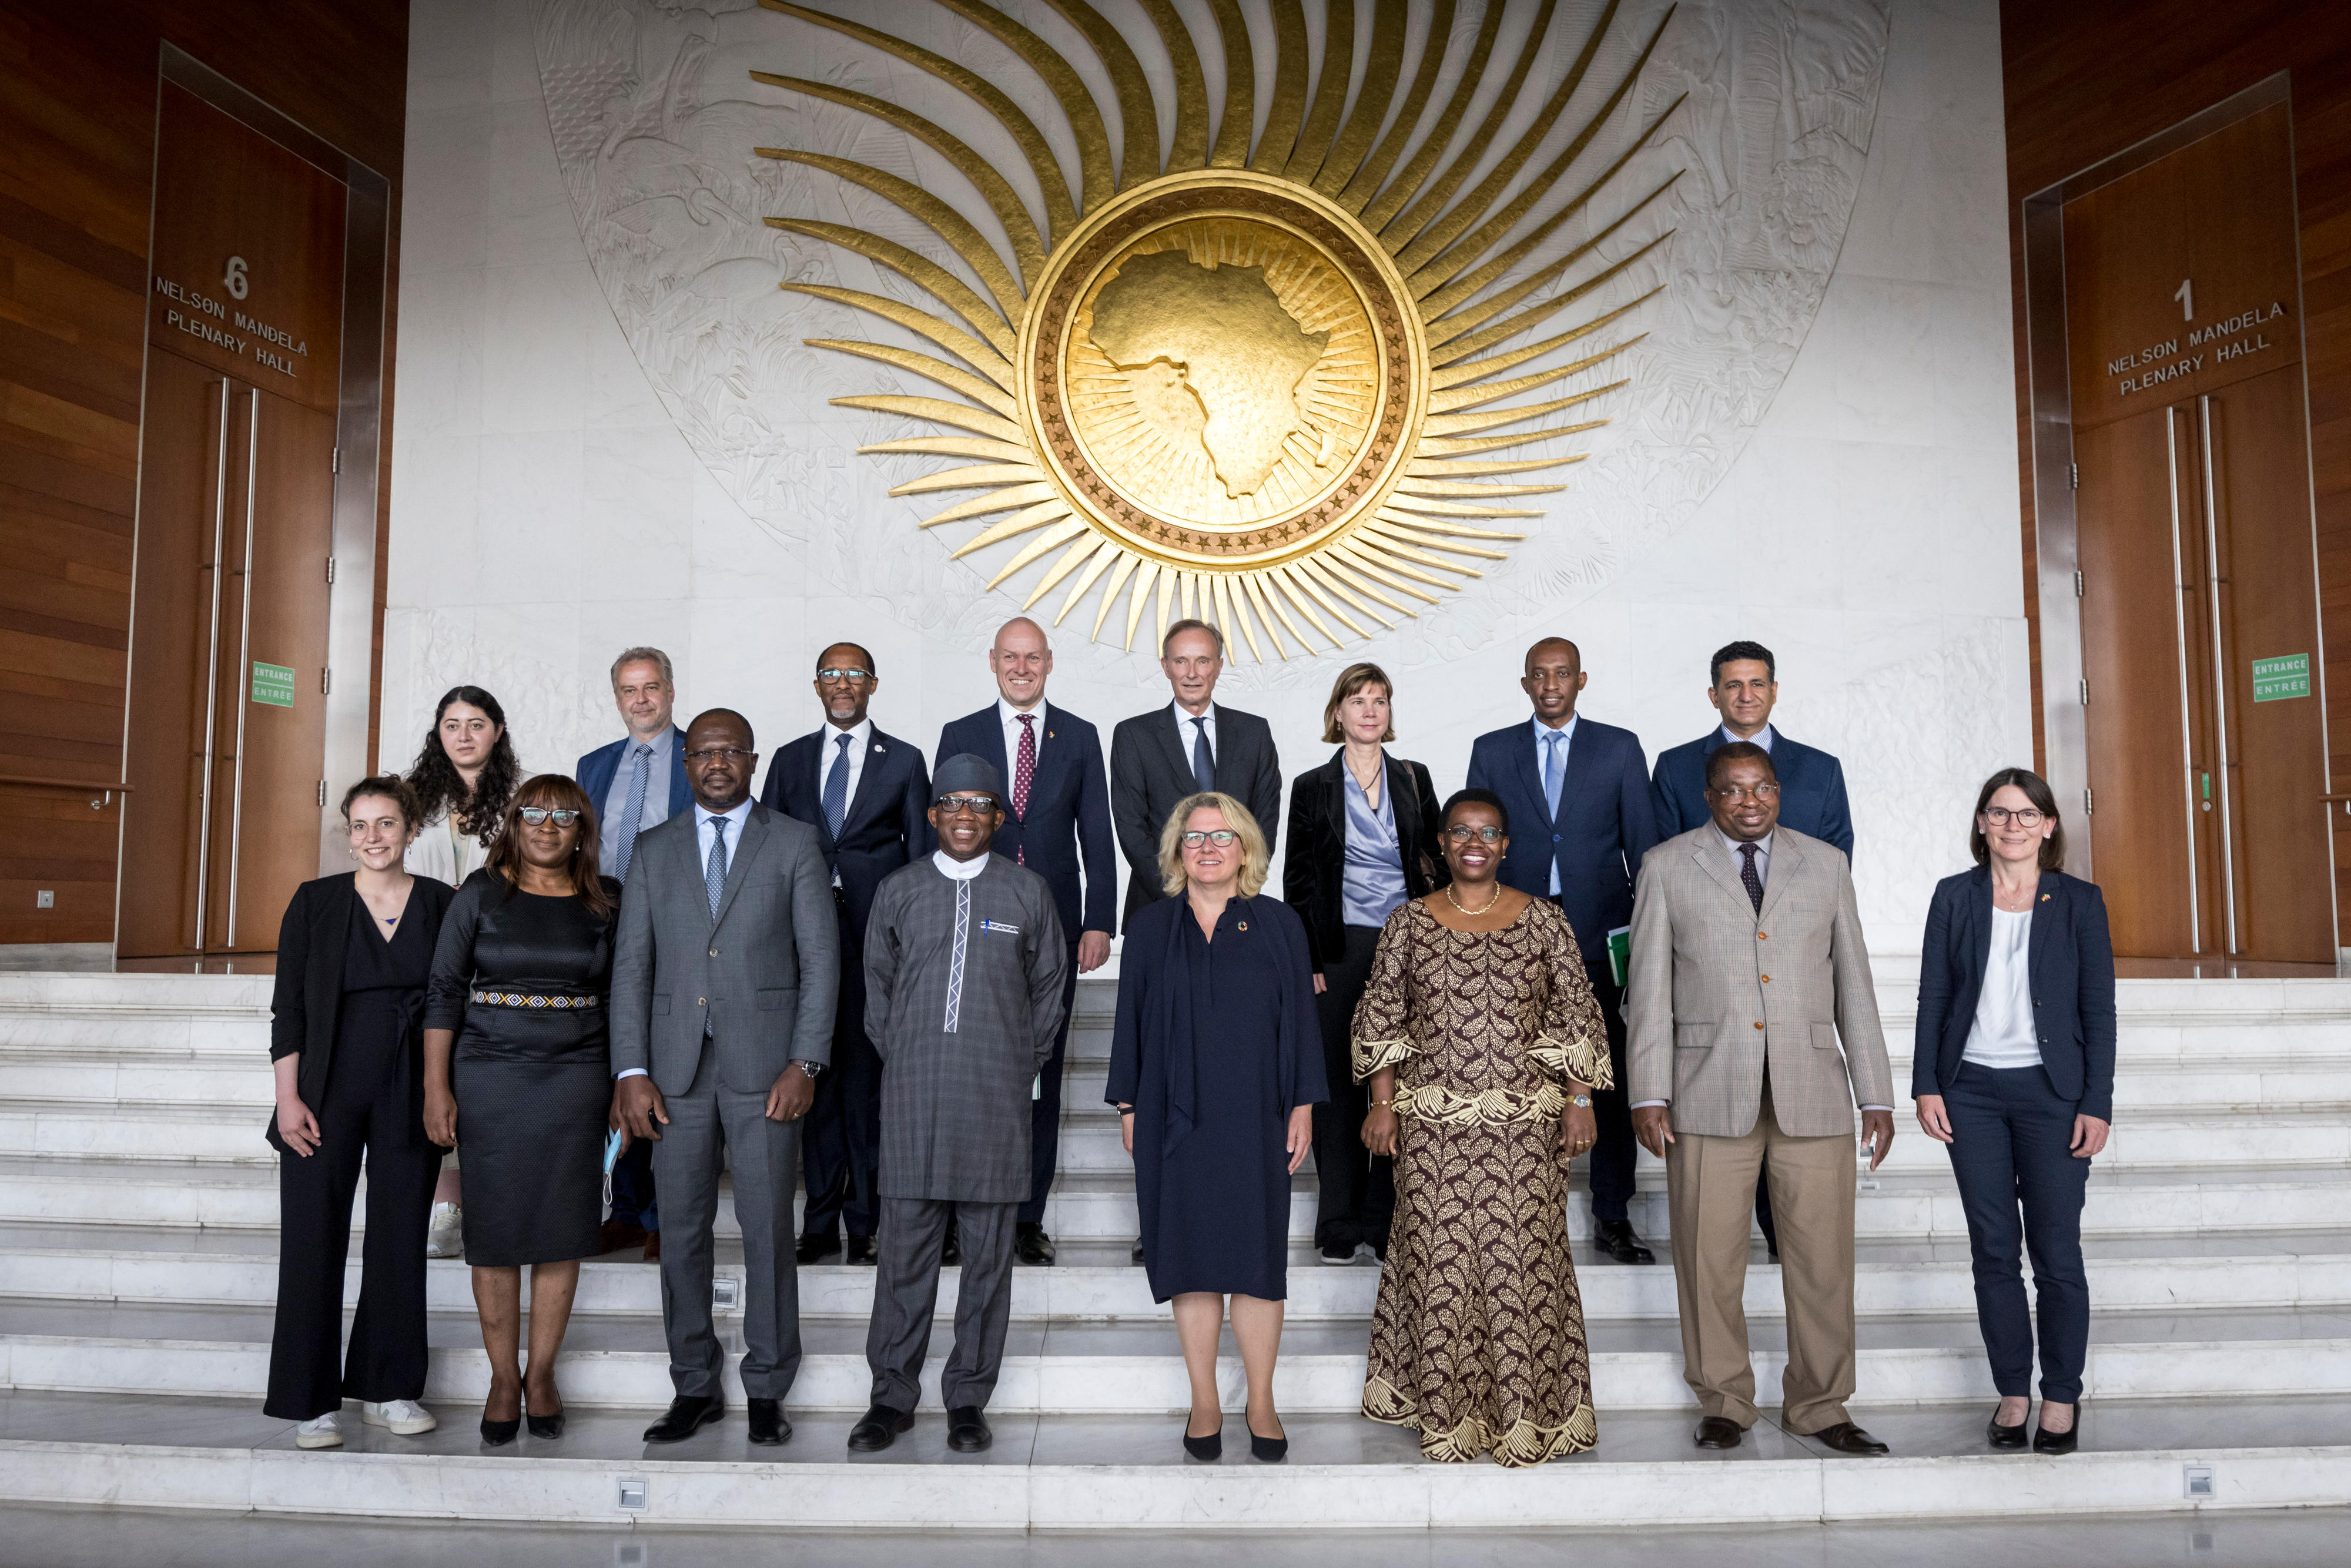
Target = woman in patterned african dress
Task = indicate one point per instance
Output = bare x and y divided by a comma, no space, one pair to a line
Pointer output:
1483,1043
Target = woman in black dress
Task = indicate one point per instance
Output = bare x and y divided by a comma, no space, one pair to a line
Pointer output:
516,1065
1216,1068
353,955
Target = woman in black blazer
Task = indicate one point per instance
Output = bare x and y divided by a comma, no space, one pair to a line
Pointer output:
1363,829
2013,1070
353,955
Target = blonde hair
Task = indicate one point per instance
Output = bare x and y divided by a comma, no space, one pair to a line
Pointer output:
1354,679
1257,861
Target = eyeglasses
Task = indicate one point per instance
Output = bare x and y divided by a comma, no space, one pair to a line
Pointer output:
1221,837
1464,834
536,815
962,805
1737,792
720,754
850,677
2001,816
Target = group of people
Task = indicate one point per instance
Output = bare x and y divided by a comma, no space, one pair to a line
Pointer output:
861,983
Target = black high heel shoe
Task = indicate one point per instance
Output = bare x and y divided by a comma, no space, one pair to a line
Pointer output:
2005,1436
548,1428
1206,1450
2064,1442
1266,1450
496,1434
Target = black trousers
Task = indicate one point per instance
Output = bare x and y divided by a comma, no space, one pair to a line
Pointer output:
1045,1126
840,1146
2020,1185
1357,1202
369,1116
1616,1150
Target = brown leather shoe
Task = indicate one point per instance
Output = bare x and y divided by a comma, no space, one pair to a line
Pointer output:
653,1246
1717,1432
1845,1437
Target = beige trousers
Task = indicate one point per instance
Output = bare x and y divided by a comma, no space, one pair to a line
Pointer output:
1710,1190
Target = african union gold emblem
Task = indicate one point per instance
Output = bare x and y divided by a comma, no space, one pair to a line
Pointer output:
1263,386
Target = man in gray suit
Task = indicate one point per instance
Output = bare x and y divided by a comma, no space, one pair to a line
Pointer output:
722,982
1746,944
964,956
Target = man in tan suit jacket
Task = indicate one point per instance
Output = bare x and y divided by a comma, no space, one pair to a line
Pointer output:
1746,967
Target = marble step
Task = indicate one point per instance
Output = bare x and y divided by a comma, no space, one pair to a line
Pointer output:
1137,1368
194,1456
91,1265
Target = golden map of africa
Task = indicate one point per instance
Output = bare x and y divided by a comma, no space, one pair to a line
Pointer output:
1229,340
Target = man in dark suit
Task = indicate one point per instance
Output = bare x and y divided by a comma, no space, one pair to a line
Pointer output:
1059,818
1744,686
1193,743
866,794
648,791
1578,795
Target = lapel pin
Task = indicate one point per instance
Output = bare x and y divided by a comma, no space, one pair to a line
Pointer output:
1242,926
2044,898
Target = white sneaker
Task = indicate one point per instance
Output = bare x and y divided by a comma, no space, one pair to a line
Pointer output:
402,1417
447,1236
320,1432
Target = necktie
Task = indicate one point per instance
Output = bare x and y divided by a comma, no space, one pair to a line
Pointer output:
633,814
713,876
1204,762
1747,875
1024,776
1554,767
836,790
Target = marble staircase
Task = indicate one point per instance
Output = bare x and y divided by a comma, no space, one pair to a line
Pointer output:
137,1262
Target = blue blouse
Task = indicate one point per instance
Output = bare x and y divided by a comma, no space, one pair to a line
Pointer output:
1372,883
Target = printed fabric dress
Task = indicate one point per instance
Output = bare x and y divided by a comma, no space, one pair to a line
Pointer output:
1477,1341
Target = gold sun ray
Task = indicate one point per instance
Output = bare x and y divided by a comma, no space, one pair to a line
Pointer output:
1121,415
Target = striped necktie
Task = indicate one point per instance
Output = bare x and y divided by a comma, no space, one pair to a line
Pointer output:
714,876
633,814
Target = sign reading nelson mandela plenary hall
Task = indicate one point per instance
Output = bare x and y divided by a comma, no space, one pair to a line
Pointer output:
273,684
2282,677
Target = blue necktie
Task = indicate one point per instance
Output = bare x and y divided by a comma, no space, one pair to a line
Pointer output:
1554,751
633,814
714,876
836,790
1204,762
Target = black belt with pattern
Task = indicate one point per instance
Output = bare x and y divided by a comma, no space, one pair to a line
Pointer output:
557,1000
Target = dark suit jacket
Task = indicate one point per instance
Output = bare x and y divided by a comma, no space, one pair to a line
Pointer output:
2072,961
1313,878
308,993
884,825
1811,789
1069,812
1150,771
1602,828
596,769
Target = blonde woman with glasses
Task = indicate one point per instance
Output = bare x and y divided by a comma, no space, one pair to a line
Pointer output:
1216,1068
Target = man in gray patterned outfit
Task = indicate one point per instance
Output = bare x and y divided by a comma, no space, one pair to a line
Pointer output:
964,956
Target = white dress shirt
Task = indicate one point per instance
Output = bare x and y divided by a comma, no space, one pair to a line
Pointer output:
861,736
955,870
1184,727
2003,1035
705,835
1566,733
1010,717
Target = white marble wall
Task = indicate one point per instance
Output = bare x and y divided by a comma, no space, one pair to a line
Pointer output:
553,501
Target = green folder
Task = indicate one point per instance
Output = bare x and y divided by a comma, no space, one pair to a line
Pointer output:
1620,954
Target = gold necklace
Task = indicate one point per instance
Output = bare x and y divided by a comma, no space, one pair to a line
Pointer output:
1475,913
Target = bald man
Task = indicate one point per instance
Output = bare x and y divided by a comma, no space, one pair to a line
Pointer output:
1581,819
1057,821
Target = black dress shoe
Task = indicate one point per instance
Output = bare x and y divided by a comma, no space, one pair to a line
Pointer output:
861,1249
817,1245
1137,1253
878,1428
2004,1437
967,1429
1032,1246
1845,1438
498,1433
768,1426
545,1427
1717,1432
1207,1449
2065,1442
951,1253
1616,1238
687,1414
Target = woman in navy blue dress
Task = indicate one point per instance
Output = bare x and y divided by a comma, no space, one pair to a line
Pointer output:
1216,1068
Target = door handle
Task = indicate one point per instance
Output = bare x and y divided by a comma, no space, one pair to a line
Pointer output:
212,679
2179,587
2220,670
244,656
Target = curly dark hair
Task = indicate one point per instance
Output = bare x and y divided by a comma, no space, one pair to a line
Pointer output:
439,785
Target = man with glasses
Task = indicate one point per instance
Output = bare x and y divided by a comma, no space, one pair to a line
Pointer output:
865,792
1579,790
722,979
1746,942
1056,818
964,964
1743,684
636,783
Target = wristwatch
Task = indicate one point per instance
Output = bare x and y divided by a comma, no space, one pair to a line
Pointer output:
811,1068
1581,1101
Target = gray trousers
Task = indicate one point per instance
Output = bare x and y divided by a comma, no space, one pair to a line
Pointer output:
706,1124
906,1294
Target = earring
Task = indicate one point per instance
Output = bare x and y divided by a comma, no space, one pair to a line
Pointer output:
354,854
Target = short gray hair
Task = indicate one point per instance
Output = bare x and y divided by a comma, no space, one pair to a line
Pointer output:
1190,625
643,657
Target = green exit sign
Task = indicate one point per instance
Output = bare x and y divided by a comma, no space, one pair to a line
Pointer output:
273,684
2276,679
